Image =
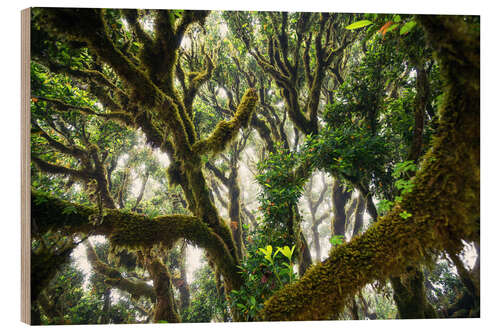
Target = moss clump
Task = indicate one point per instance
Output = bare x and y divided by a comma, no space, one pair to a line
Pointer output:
174,174
227,130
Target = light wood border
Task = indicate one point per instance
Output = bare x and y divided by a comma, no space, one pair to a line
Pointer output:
25,168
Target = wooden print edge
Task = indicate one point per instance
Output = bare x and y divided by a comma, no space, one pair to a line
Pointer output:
25,171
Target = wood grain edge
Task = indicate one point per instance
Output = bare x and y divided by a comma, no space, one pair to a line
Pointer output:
25,168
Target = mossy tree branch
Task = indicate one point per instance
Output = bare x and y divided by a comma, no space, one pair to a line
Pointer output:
133,231
62,106
226,131
60,170
195,81
114,278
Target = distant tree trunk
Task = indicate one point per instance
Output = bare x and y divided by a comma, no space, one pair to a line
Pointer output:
183,287
104,317
313,209
365,307
467,279
359,215
141,192
354,309
234,210
340,196
316,244
351,206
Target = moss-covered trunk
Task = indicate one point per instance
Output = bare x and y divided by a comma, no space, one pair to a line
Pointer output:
410,296
165,309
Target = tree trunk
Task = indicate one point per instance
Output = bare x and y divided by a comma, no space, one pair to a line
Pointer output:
234,211
340,196
184,288
104,317
305,259
467,279
165,309
359,215
409,295
316,243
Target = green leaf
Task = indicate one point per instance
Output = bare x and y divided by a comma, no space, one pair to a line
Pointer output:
397,19
286,251
69,210
40,200
336,240
359,24
407,27
405,214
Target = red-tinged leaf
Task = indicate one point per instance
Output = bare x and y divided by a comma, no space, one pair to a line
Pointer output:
234,225
384,28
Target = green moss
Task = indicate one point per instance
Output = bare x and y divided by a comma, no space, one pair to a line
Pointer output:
134,231
114,278
227,130
409,295
174,174
165,308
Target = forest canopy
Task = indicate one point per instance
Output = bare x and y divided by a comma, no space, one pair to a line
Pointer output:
210,166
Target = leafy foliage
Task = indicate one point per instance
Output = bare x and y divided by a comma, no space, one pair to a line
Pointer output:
265,271
280,192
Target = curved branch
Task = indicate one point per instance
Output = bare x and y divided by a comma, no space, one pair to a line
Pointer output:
63,106
226,131
61,147
196,80
217,173
60,170
133,231
115,279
